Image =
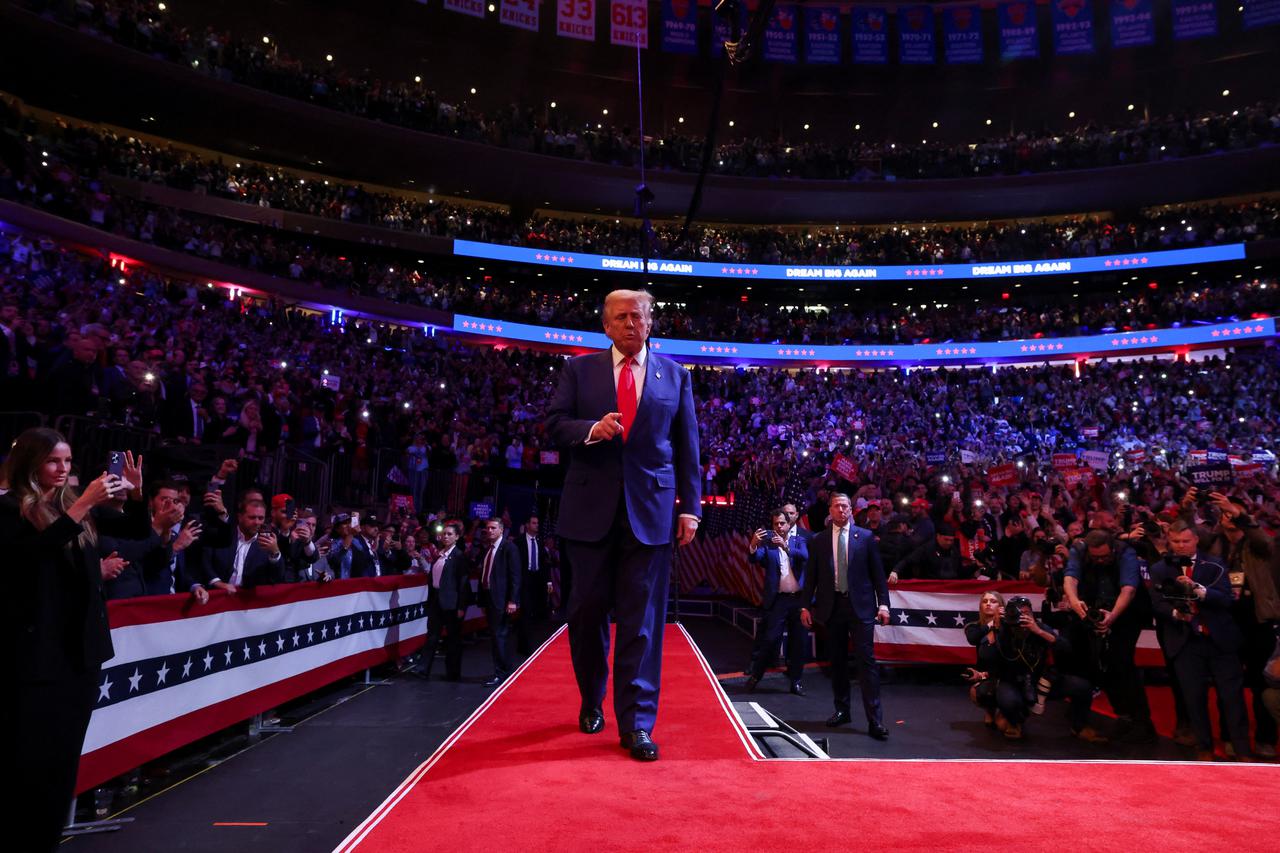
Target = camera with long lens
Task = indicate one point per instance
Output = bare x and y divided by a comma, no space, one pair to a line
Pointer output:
1179,596
1014,609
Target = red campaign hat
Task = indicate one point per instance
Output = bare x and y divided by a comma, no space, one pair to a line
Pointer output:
920,502
279,501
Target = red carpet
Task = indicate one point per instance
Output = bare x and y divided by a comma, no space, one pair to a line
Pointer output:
519,775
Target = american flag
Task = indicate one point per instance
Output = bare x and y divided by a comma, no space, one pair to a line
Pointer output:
720,564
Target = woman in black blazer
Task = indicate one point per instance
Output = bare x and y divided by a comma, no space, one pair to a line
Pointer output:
55,620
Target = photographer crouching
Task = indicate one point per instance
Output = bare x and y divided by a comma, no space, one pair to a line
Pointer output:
1102,583
1193,608
1014,648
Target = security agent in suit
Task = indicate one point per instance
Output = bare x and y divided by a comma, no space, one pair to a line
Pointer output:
848,601
1201,637
498,592
449,579
533,587
783,559
626,416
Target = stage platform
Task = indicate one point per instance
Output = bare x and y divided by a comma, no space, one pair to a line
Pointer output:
518,773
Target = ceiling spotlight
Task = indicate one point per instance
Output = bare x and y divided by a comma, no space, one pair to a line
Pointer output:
935,124
553,105
328,57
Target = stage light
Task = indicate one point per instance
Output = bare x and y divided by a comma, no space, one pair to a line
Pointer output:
266,39
730,122
1131,107
857,127
988,122
680,120
935,124
806,126
328,57
1071,114
161,6
553,105
418,79
406,404
492,8
1226,92
604,111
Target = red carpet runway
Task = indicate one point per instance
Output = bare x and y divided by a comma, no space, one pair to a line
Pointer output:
519,775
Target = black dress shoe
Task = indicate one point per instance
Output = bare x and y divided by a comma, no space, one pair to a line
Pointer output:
752,682
641,746
591,721
495,681
797,688
839,718
877,731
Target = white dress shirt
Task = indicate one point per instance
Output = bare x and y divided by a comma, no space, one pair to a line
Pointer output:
786,580
437,568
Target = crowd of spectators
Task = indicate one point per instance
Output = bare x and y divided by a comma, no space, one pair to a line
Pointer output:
177,359
68,179
266,64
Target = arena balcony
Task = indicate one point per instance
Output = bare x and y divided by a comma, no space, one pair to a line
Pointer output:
63,69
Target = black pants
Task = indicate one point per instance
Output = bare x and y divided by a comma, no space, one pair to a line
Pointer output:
1196,663
533,610
1259,643
782,615
1113,667
1014,697
841,625
500,624
448,621
47,732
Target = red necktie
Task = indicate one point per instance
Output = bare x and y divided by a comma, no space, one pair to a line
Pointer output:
627,397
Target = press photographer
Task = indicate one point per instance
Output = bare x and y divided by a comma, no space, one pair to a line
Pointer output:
783,559
1193,609
1102,583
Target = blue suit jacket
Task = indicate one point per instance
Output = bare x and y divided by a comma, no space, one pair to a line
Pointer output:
768,556
658,462
1213,613
868,587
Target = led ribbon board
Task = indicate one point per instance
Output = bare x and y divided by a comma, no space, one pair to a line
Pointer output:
1031,349
798,272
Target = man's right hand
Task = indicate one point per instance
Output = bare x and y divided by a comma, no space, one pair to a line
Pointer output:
213,500
1081,609
227,468
806,618
607,427
756,539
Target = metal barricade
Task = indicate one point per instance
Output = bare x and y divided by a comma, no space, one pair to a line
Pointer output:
93,439
13,424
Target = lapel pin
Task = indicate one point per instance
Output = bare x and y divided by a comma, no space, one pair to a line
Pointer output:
657,375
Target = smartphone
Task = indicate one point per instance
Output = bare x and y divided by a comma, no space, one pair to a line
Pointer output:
289,508
355,521
115,463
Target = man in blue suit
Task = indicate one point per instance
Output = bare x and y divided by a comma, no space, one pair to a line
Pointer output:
846,588
1201,638
627,417
783,558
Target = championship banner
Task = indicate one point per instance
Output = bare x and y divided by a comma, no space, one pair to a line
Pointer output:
782,35
474,8
629,23
915,35
680,26
576,19
520,13
870,35
1260,13
927,619
822,35
183,671
1193,19
1018,36
1132,23
962,34
722,31
1072,27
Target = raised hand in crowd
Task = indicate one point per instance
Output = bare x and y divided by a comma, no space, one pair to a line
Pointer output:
112,565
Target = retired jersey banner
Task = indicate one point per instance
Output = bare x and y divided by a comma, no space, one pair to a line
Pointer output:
822,35
1193,19
1072,27
629,23
520,13
962,34
915,35
474,8
782,35
927,619
870,35
183,671
1132,23
680,26
1019,38
1260,13
722,29
576,19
